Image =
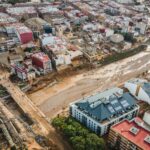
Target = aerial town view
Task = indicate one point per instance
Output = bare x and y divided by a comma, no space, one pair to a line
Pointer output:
74,74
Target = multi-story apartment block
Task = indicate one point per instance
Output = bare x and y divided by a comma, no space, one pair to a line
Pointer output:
102,110
129,135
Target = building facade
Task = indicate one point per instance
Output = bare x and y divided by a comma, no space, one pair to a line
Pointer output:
102,110
129,135
139,88
41,61
146,117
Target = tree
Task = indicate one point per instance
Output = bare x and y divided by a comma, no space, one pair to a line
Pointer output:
79,136
13,1
82,132
78,142
72,122
69,131
129,37
16,1
93,142
58,122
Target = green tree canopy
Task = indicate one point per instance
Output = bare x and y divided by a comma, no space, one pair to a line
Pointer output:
69,130
78,142
58,122
93,142
79,137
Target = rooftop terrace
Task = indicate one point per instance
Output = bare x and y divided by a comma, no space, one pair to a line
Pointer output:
134,133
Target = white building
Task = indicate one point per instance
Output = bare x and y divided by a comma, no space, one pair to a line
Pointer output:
36,1
146,117
109,32
124,1
140,1
141,26
22,72
101,110
139,88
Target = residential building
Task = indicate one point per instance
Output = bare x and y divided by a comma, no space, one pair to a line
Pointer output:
146,118
22,72
41,61
129,135
13,59
22,33
102,110
57,49
139,88
125,1
51,11
22,12
19,70
6,19
142,26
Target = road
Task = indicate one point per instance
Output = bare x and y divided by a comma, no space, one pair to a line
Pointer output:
41,125
53,100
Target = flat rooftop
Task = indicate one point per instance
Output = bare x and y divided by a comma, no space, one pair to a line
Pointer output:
139,137
6,19
21,10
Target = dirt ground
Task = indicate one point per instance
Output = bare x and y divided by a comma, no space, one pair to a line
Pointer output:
53,100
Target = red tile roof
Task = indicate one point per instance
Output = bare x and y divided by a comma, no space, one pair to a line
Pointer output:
124,127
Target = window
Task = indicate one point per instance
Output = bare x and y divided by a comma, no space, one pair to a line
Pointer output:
114,102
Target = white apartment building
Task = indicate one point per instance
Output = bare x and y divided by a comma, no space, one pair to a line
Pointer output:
139,88
102,110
